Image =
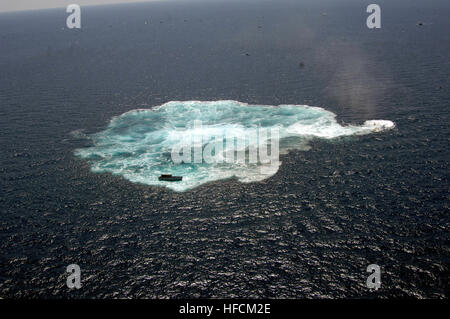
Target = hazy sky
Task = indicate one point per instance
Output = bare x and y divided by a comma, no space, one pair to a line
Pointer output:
16,5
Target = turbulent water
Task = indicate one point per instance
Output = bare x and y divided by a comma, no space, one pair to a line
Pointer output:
139,144
339,201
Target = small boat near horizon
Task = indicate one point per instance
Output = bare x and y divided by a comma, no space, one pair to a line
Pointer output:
170,178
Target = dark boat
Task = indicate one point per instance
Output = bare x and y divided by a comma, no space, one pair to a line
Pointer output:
170,178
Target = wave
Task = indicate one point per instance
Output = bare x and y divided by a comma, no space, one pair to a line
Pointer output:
139,144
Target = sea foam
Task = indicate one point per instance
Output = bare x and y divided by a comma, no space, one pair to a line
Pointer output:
138,144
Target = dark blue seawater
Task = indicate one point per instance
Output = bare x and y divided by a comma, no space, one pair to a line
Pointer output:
309,231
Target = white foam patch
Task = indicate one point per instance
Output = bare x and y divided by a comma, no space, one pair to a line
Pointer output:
138,144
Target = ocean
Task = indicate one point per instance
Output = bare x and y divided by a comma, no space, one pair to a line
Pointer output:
333,207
